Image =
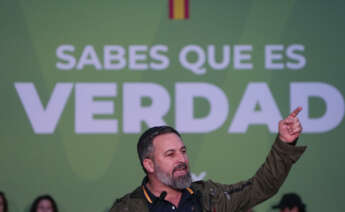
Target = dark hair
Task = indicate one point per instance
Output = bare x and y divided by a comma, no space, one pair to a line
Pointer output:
145,143
290,200
38,199
2,195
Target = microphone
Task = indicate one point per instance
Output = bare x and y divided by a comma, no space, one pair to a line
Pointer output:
163,195
158,201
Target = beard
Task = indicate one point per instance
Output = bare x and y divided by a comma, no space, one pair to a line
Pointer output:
179,182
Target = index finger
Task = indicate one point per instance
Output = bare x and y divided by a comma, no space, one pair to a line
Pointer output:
295,112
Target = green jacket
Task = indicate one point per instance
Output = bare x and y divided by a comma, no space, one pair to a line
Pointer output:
235,197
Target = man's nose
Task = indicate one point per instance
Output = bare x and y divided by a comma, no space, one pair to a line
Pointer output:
182,157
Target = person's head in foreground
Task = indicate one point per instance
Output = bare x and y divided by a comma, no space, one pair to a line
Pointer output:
163,157
44,203
290,202
3,202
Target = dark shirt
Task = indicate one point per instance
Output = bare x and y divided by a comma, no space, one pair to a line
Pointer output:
188,203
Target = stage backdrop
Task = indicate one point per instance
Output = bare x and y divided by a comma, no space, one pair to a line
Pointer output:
80,80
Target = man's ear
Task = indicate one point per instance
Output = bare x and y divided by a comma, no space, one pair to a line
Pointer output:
148,165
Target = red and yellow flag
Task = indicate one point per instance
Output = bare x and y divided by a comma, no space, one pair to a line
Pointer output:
179,9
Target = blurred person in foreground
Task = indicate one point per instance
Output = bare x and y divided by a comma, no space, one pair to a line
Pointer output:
44,203
168,185
290,202
3,202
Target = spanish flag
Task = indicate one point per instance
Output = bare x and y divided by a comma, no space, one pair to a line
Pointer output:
179,9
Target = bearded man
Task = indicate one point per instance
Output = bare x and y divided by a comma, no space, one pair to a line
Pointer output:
168,185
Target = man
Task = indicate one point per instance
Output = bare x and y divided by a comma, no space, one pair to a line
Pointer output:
168,185
290,202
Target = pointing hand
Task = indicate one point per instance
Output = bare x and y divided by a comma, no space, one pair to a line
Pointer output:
290,128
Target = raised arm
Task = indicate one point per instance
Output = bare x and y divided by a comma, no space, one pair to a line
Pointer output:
270,176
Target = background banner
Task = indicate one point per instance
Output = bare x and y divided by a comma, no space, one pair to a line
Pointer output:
81,80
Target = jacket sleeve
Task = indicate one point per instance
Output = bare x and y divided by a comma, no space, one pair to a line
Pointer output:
267,180
130,203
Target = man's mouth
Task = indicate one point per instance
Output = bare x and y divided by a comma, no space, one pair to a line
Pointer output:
180,169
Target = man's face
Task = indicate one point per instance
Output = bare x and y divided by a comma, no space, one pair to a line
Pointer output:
171,165
294,209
